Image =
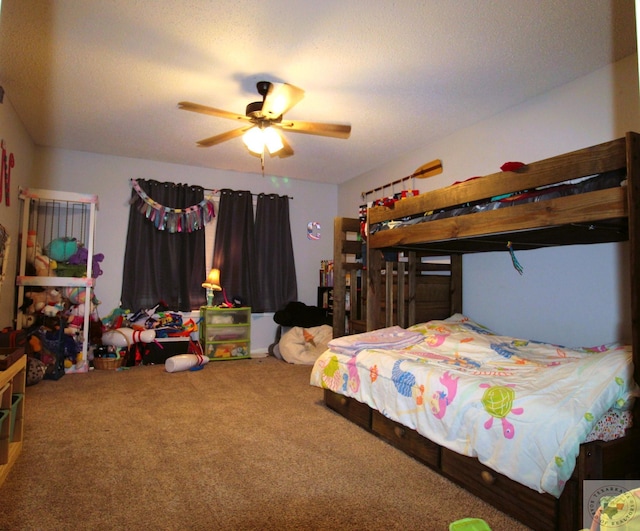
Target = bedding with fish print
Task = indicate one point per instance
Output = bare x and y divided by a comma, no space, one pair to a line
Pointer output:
521,407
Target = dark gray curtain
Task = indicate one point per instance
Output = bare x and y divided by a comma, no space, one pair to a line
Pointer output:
234,249
160,265
276,273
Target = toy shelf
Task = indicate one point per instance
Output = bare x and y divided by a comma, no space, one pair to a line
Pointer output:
48,217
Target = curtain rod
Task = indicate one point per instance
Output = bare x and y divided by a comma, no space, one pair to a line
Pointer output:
213,192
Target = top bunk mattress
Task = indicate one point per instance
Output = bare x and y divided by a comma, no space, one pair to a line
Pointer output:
580,197
590,183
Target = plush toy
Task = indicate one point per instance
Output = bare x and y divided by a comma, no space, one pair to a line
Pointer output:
81,256
36,303
61,341
75,317
43,265
52,310
61,249
75,294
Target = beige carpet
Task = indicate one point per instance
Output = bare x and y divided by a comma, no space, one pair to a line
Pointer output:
239,445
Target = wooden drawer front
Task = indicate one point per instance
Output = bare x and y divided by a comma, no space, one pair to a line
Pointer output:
533,508
406,439
355,411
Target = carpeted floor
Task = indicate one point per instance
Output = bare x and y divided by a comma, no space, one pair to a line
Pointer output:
239,445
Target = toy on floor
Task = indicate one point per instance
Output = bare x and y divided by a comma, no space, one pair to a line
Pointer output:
469,524
185,362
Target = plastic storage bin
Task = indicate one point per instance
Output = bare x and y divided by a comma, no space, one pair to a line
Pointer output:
4,413
15,402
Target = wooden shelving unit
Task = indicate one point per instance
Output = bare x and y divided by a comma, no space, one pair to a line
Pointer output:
12,381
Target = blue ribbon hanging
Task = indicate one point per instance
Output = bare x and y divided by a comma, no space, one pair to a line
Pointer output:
514,260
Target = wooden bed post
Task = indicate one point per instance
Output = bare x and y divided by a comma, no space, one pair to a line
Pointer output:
374,285
633,201
346,245
339,281
456,283
401,319
388,293
412,281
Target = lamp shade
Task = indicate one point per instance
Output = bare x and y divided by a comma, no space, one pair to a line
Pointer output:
253,140
213,280
257,138
272,140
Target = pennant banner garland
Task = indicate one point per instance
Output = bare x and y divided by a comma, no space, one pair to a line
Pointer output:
188,219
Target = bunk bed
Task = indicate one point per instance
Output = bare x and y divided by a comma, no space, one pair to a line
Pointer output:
541,208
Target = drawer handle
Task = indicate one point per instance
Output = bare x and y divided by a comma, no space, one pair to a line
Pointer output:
487,477
343,400
400,432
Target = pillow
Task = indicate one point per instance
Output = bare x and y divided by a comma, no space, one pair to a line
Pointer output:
304,345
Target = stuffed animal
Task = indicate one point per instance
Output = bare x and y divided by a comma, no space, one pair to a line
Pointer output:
75,318
43,265
75,294
35,303
66,343
81,256
61,249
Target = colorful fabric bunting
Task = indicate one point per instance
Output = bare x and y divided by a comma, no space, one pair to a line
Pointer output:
189,219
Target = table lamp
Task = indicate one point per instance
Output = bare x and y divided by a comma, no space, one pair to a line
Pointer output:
211,284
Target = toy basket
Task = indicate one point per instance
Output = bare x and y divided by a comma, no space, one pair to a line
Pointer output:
105,364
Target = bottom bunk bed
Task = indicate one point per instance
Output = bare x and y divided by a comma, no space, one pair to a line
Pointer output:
517,423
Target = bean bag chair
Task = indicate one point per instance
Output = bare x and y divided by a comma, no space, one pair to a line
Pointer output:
303,346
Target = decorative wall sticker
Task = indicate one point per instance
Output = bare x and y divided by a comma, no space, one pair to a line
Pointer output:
5,173
313,230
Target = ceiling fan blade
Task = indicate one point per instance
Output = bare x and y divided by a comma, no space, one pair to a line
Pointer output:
286,150
223,137
315,128
280,98
203,109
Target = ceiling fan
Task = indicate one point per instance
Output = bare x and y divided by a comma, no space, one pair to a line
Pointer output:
262,120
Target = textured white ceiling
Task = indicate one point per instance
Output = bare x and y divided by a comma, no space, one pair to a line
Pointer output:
105,76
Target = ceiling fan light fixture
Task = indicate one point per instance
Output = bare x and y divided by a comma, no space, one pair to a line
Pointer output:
272,140
253,140
256,139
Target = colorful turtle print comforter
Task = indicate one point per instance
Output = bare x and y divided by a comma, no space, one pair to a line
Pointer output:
521,407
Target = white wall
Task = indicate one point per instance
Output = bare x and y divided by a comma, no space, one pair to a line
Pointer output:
109,177
544,303
573,295
18,142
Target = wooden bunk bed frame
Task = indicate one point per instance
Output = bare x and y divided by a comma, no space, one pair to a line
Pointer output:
417,288
594,217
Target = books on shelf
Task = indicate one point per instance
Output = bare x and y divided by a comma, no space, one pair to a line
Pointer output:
326,273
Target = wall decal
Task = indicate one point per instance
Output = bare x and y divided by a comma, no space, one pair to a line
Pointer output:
313,230
5,174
